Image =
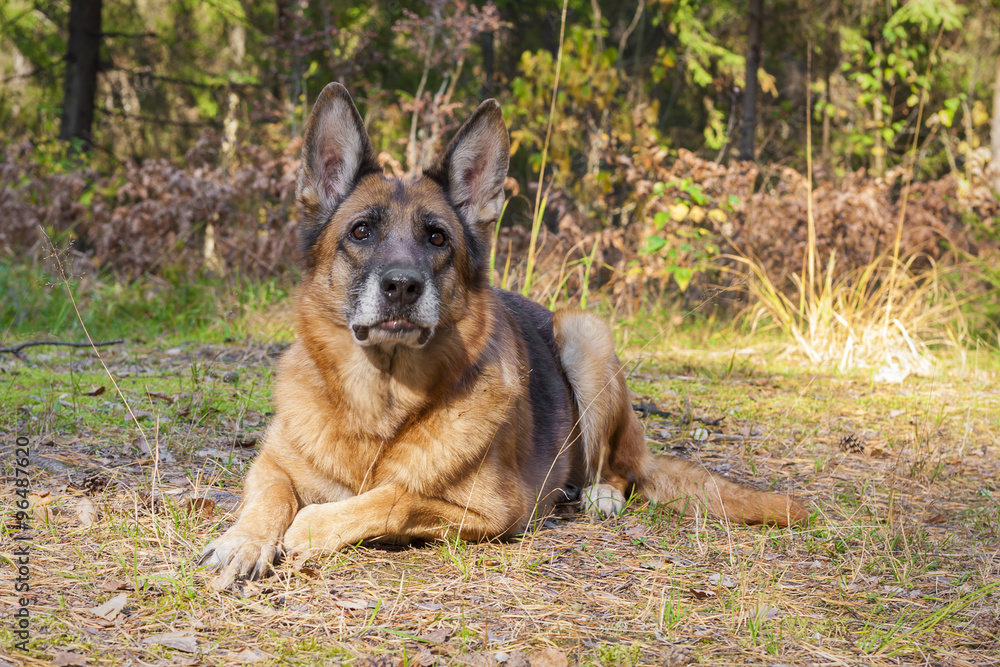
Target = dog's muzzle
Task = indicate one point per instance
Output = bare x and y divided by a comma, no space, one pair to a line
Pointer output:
397,306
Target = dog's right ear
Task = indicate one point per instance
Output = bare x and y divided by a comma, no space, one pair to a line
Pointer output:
336,152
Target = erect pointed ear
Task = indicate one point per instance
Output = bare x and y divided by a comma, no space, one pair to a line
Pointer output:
473,167
336,152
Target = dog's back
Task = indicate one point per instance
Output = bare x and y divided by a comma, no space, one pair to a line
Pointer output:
554,456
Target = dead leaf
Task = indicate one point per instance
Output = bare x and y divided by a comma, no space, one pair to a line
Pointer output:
253,418
548,657
110,610
635,532
424,658
202,507
86,512
517,659
245,440
876,450
39,505
702,594
676,655
246,656
66,659
655,564
759,612
439,636
378,661
479,659
179,661
161,395
182,641
716,579
306,571
96,390
355,605
112,585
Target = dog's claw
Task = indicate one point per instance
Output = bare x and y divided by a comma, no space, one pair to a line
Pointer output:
237,556
205,557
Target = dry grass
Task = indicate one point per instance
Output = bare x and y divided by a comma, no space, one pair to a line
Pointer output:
899,566
884,315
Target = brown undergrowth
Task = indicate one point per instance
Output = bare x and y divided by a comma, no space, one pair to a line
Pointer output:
159,218
898,566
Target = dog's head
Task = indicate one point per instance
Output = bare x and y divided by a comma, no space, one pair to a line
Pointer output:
394,261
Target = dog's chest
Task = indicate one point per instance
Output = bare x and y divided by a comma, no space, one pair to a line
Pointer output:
422,456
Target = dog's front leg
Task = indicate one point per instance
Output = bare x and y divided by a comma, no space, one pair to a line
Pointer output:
386,511
251,546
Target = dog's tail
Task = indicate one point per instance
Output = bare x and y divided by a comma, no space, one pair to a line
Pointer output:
687,487
614,445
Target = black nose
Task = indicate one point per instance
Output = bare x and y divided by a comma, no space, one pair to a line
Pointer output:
402,286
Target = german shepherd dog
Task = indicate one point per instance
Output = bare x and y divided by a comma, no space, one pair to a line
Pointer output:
419,402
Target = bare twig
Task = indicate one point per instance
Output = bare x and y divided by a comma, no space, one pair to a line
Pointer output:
16,349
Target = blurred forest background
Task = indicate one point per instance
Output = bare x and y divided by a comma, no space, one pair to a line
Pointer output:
833,166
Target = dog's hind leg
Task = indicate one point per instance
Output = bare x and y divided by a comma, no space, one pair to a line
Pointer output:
615,453
607,423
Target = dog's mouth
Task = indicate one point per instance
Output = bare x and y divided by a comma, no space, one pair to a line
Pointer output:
394,329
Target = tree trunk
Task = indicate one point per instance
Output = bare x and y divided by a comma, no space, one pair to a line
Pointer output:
826,125
82,62
486,48
995,130
750,93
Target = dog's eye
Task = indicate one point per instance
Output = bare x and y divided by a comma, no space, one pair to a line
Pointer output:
437,238
361,232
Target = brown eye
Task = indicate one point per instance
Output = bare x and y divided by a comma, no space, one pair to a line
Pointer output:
361,232
437,238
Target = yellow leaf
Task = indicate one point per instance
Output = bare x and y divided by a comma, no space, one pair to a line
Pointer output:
717,216
678,212
697,214
766,82
979,114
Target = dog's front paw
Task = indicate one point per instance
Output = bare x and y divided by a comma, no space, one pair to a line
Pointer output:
238,555
602,501
311,532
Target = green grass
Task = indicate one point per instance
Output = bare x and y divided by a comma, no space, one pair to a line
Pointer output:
35,302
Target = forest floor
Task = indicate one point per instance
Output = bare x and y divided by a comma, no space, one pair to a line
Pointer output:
899,565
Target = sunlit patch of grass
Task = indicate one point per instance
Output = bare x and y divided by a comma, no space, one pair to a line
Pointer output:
35,303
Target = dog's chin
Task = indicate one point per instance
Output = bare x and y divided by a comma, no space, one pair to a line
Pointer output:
391,333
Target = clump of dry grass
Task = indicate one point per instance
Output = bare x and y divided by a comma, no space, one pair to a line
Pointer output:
884,315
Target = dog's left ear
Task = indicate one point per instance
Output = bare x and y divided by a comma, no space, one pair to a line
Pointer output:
473,167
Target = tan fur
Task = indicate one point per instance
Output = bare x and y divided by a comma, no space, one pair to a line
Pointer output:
437,439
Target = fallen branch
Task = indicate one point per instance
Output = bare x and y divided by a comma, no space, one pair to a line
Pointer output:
16,349
650,409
